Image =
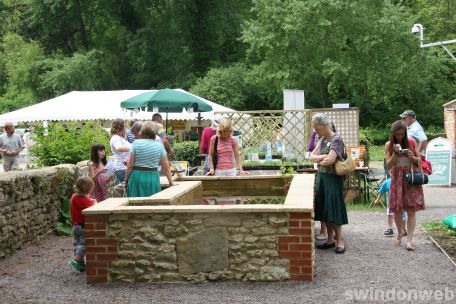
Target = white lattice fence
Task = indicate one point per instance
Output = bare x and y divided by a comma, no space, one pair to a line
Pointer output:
294,126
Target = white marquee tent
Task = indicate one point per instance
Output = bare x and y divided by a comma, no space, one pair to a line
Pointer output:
93,105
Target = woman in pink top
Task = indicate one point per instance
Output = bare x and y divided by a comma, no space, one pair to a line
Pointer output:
226,146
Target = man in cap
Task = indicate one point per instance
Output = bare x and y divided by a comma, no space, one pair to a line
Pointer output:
206,140
414,129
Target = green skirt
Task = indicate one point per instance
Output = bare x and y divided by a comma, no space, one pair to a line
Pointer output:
329,199
143,183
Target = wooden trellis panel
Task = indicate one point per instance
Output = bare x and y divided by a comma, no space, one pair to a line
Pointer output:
259,127
346,122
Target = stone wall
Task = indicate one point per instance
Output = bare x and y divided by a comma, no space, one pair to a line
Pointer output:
199,246
30,204
132,241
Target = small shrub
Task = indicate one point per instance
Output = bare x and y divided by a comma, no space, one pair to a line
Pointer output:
62,182
187,151
434,132
374,136
67,145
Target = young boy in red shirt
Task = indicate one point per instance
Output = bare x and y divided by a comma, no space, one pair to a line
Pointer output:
80,200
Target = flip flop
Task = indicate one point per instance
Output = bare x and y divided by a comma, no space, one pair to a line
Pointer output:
397,241
410,248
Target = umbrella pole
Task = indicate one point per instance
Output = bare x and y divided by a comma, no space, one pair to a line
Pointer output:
199,119
166,123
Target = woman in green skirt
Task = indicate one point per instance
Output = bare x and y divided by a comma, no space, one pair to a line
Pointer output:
329,197
146,155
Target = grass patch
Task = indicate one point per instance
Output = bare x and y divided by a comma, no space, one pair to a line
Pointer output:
377,153
364,207
445,237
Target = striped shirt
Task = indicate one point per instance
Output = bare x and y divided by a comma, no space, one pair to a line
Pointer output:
225,149
147,153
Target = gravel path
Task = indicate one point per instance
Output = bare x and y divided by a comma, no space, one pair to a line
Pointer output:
39,273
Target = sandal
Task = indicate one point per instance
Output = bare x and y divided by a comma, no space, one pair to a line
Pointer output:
389,231
410,247
404,233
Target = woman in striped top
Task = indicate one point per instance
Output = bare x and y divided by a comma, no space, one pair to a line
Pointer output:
226,146
146,154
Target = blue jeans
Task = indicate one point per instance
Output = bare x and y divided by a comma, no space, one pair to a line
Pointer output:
78,241
120,176
206,164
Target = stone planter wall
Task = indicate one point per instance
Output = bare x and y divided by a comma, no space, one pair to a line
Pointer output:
30,204
199,247
194,243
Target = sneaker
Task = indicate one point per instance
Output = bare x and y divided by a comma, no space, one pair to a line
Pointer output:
389,231
79,267
404,233
83,266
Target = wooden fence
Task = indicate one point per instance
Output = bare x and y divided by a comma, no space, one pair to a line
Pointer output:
293,127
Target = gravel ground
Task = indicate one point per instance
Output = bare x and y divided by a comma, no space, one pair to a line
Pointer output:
39,272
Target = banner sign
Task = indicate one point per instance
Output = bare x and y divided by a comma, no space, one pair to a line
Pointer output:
439,153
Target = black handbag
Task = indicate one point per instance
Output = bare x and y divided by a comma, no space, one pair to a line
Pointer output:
416,178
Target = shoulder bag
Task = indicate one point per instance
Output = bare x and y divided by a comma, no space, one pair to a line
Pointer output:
347,166
416,178
215,156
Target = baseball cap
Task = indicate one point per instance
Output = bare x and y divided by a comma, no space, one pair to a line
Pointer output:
408,113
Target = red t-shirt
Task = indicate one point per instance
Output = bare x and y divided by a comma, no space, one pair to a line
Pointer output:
206,139
79,203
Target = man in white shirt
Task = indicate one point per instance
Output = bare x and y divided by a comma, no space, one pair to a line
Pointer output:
10,146
414,129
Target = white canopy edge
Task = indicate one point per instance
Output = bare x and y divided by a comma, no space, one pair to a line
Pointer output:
96,105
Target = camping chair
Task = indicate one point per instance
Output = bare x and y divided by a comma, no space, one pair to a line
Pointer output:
180,167
374,181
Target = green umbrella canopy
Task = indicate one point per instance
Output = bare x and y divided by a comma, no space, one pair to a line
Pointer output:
166,100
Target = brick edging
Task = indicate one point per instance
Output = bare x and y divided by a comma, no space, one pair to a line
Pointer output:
100,250
297,247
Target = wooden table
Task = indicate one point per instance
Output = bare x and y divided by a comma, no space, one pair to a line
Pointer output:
358,180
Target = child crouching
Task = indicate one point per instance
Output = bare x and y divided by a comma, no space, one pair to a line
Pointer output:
80,201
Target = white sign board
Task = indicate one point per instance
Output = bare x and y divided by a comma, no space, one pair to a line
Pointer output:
293,99
439,152
341,105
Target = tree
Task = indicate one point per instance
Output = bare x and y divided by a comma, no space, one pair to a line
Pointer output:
355,51
20,60
235,86
78,72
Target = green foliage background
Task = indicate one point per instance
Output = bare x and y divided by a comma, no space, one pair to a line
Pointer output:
67,144
187,150
240,53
